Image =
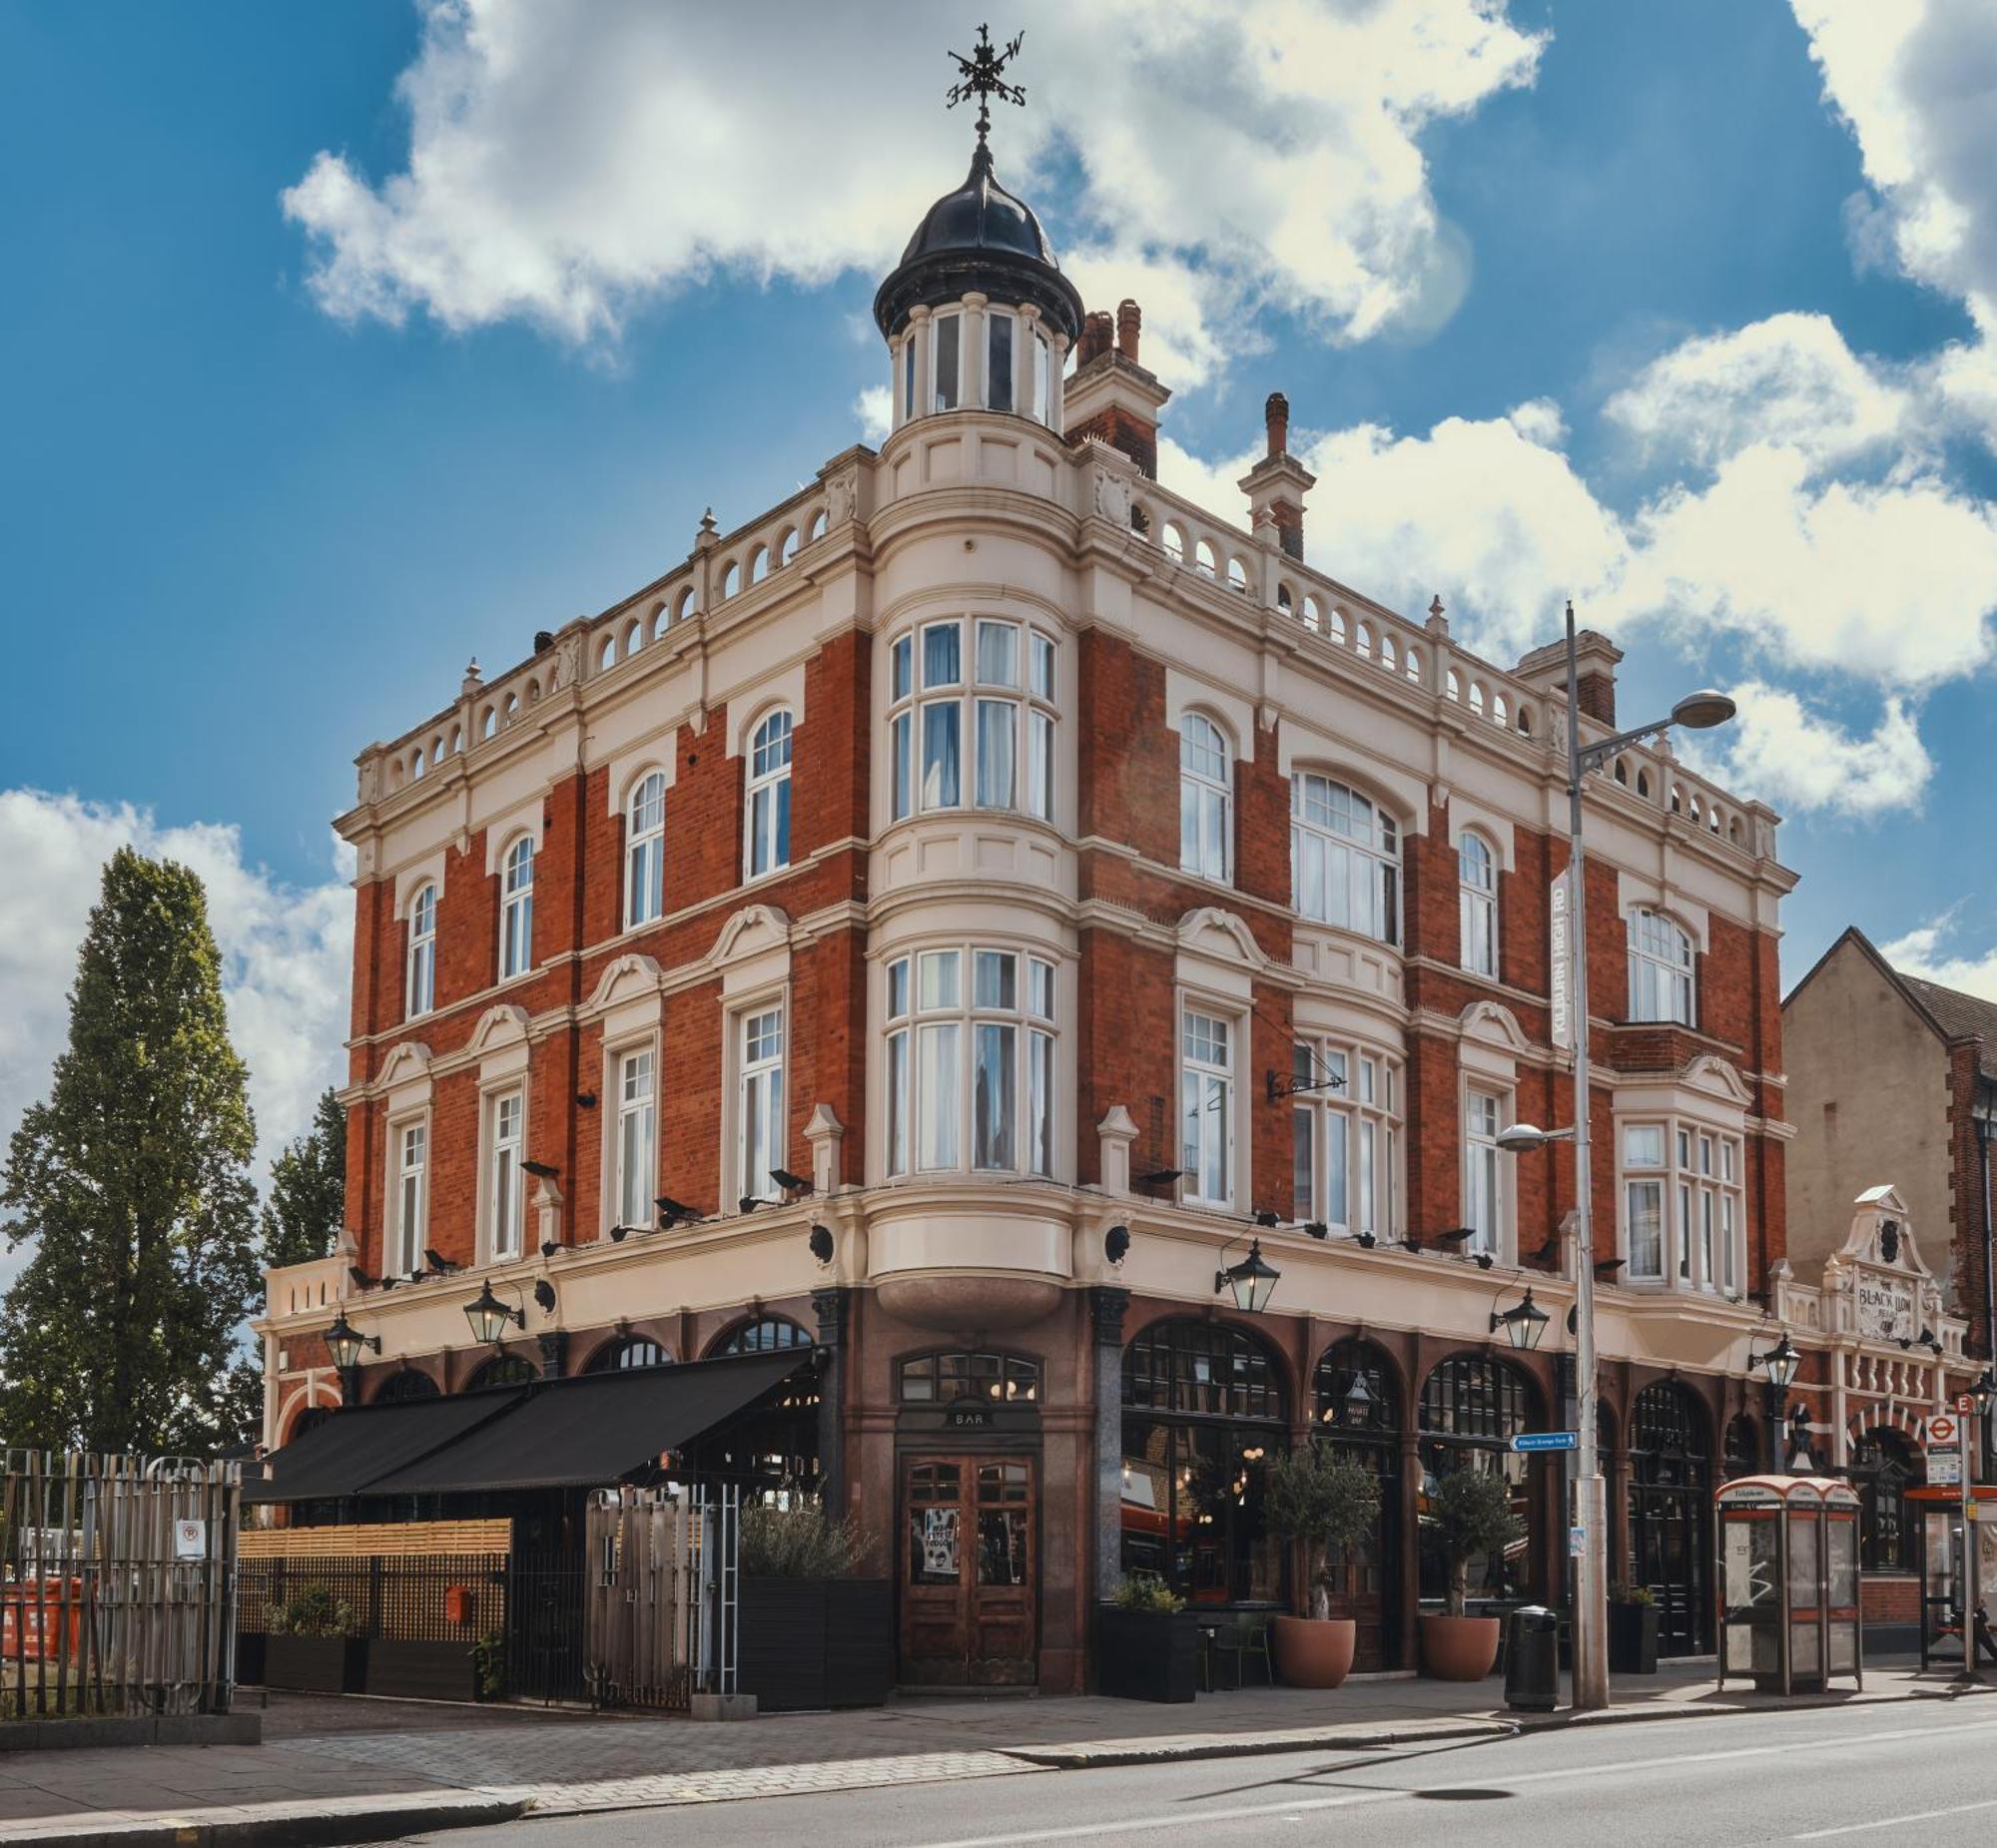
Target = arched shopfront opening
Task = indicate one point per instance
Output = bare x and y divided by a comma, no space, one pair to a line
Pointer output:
1358,1409
1670,1512
773,1453
1882,1471
405,1388
502,1369
1203,1411
627,1354
1473,1405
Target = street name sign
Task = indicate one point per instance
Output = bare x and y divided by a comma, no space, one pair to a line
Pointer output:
1545,1440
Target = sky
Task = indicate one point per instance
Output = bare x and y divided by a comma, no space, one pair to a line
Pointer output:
351,339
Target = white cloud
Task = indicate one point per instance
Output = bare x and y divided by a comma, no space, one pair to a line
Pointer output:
1922,952
570,159
875,407
287,953
1784,754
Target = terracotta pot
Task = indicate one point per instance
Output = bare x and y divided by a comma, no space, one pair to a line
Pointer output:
1314,1652
1459,1649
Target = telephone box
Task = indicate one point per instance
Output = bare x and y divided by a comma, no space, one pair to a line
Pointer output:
1789,1582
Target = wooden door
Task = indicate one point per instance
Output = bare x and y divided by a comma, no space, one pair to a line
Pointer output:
970,1570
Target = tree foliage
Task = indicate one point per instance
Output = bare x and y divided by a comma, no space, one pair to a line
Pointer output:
131,1181
1473,1513
1327,1499
307,1195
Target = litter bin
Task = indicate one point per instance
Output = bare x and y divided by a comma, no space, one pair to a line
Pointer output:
1532,1661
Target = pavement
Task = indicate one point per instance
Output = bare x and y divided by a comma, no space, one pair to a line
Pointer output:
350,1770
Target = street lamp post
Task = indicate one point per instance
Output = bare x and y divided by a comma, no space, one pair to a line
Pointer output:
1696,711
1779,1364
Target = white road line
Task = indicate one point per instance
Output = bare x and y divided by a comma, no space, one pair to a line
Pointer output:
1196,1815
1893,1822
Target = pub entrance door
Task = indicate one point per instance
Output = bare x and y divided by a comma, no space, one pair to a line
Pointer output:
970,1570
1671,1515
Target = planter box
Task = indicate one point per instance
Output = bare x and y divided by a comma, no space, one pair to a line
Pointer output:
422,1670
250,1656
317,1665
1143,1656
816,1643
1633,1639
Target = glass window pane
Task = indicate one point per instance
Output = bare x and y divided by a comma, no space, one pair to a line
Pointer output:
940,1095
1043,665
898,1102
902,734
943,378
941,667
996,719
901,673
1040,1103
1647,1229
997,654
939,982
1041,988
994,980
998,360
898,989
994,1096
941,727
1302,1164
1335,1210
1040,765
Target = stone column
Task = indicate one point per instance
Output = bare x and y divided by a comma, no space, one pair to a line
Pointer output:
830,1304
1106,1305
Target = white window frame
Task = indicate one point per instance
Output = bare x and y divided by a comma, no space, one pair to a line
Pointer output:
645,851
758,1099
943,1020
1700,1176
505,1181
957,318
1206,799
1663,987
1485,1172
516,909
993,318
1345,862
1044,378
1016,717
419,988
634,1100
1207,1093
1346,1136
766,806
410,1190
1476,905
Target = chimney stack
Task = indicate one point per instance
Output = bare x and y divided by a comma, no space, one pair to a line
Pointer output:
1130,324
1276,416
1096,337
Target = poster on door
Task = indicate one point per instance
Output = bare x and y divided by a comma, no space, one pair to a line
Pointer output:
940,1543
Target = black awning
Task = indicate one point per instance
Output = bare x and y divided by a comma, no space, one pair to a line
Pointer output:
344,1453
593,1431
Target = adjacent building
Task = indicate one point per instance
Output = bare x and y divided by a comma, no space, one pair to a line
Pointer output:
947,922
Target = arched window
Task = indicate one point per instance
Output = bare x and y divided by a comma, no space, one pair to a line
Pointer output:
627,1355
1203,1411
645,851
502,1369
1670,1512
770,796
1473,1405
1476,905
308,1420
1883,1469
1345,858
1661,968
516,909
423,952
1206,799
953,1377
405,1386
768,1336
1359,1415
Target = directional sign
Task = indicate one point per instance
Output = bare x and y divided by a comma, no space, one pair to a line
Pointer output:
1545,1440
1942,1431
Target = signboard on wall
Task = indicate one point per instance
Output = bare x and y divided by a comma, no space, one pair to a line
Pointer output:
1561,910
1885,1306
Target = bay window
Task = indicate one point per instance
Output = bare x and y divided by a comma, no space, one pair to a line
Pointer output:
1345,858
1206,1107
1683,1205
636,1150
504,1192
1004,708
645,852
970,1062
1661,970
1345,1136
759,1124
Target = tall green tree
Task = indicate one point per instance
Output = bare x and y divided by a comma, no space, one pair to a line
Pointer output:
307,1194
132,1182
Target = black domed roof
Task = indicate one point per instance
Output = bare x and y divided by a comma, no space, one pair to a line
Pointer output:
982,238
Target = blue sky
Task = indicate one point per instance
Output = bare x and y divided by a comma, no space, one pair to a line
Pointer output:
1680,310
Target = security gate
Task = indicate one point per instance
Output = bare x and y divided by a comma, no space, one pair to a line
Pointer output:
659,1604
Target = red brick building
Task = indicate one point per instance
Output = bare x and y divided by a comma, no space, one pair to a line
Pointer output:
1073,885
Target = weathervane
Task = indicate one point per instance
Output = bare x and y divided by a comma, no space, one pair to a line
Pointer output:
981,77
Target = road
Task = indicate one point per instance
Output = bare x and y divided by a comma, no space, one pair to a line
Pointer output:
1899,1773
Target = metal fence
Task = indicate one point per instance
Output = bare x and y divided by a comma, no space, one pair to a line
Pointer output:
116,1585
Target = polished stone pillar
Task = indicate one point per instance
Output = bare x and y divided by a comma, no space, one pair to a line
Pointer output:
1106,1305
830,1304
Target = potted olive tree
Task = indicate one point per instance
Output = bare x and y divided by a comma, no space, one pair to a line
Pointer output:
817,1627
1329,1503
1632,1629
1472,1513
1147,1642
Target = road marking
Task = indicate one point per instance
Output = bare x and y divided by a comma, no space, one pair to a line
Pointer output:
1196,1816
1893,1822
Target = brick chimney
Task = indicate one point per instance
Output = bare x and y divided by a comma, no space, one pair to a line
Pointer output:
1596,659
1276,485
1111,397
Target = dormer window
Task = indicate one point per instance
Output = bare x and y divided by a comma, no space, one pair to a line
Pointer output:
946,345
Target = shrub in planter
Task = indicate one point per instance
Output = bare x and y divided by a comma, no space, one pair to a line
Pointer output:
1632,1629
313,1644
1472,1513
815,1631
1146,1644
1329,1503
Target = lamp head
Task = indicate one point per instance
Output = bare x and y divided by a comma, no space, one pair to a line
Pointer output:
347,1344
1701,711
1523,1138
1252,1281
490,1317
